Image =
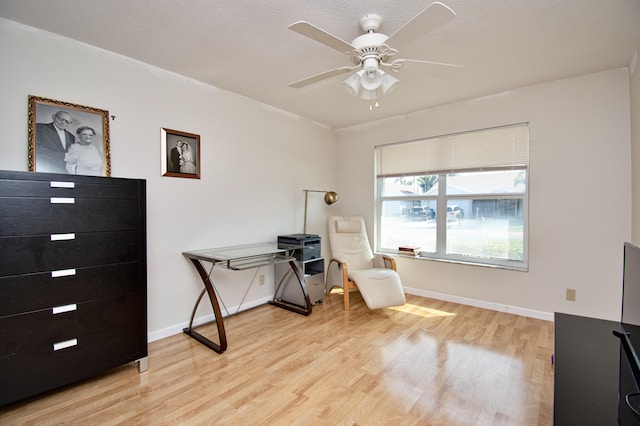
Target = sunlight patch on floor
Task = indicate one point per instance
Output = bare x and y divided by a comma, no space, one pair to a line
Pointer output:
421,311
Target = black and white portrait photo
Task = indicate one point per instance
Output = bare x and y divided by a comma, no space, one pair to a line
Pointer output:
68,138
180,154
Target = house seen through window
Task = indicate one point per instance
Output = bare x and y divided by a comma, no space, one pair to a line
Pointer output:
458,197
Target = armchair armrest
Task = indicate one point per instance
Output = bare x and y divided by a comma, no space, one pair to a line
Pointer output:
384,261
337,274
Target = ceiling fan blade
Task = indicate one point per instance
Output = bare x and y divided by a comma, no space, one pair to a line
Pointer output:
322,76
321,36
432,17
435,69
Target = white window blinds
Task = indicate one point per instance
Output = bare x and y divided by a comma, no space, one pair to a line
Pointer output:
497,148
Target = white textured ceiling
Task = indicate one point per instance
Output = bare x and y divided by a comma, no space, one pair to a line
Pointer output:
244,46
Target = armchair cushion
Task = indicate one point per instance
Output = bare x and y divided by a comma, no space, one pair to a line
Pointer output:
378,261
380,288
348,226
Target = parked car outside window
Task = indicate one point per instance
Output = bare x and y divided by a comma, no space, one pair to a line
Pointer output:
455,212
421,213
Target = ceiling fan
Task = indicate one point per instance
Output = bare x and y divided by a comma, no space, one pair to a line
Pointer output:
371,51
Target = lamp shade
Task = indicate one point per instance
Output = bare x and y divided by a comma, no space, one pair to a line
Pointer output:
371,80
388,83
369,96
330,197
352,84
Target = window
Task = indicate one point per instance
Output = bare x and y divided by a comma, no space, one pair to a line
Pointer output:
459,197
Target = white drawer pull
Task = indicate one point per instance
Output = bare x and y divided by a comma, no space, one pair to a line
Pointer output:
62,237
62,200
63,273
65,344
63,309
56,184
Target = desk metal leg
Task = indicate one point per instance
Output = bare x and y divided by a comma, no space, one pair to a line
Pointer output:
208,287
294,308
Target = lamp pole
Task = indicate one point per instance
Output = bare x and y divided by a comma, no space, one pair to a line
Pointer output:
330,197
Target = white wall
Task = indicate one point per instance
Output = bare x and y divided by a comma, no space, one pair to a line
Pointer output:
580,189
635,145
255,160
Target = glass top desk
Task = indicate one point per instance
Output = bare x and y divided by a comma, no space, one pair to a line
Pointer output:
239,258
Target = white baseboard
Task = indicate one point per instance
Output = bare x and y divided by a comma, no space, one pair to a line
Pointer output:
547,316
177,328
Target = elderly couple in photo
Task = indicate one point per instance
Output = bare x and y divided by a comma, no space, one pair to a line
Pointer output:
58,151
182,158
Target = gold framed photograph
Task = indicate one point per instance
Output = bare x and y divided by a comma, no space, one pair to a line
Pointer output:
180,154
67,138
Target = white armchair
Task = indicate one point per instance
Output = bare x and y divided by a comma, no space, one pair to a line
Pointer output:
354,266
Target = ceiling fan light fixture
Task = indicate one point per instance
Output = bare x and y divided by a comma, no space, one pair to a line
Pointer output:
370,86
370,65
370,96
371,80
352,84
388,83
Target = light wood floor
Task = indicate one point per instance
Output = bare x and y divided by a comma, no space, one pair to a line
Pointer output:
427,363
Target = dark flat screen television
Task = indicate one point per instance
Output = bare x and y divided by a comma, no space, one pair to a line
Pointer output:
629,380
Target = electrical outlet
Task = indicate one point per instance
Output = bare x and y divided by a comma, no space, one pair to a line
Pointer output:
571,295
261,279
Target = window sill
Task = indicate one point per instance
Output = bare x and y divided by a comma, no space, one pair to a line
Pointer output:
524,268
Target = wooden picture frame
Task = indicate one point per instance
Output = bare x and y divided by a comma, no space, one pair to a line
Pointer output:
86,149
180,154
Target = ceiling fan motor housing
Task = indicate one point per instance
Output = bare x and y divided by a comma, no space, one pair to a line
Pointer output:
369,40
370,64
370,22
368,46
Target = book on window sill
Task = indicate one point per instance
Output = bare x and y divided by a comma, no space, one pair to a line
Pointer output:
410,249
409,253
413,251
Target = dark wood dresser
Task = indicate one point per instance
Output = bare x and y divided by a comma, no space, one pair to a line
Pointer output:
586,371
73,279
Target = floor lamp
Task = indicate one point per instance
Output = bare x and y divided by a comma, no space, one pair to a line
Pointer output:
330,197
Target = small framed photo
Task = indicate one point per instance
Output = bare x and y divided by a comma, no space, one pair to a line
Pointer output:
180,154
67,138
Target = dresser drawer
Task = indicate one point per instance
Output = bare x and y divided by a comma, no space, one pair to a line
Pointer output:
48,327
33,292
20,184
31,372
43,253
34,216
